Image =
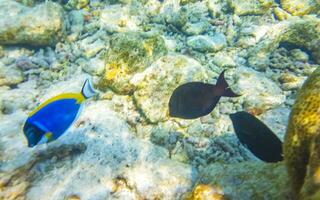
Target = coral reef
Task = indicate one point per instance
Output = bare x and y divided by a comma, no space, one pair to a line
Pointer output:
247,180
155,85
137,52
253,7
301,144
259,92
203,192
300,7
130,53
289,31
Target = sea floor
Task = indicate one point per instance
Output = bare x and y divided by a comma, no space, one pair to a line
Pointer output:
124,144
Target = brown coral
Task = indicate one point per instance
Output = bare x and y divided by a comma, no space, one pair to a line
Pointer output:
302,140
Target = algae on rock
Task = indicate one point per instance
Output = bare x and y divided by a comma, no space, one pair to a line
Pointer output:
207,44
156,84
259,92
300,7
302,140
120,18
130,53
10,75
303,32
250,7
42,25
244,181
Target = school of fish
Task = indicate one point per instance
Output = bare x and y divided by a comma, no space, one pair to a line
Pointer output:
301,148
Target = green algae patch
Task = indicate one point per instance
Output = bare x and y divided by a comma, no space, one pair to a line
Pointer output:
300,7
129,53
246,180
250,7
302,140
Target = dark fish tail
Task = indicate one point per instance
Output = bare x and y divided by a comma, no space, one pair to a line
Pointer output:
223,88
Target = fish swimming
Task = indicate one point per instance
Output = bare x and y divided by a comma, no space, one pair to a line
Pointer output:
257,137
53,117
196,99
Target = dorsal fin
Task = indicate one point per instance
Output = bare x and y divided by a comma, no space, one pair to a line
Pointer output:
223,87
88,89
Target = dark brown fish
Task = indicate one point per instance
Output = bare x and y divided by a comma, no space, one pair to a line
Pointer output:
257,137
196,99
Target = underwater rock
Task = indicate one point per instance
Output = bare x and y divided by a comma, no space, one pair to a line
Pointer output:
291,82
276,119
281,14
205,192
95,66
2,53
251,35
120,18
77,4
118,164
215,8
302,139
93,44
16,99
207,44
301,32
250,7
152,185
10,75
14,183
195,28
300,7
223,60
295,60
259,92
299,55
27,2
130,53
42,25
76,19
178,18
191,18
304,32
156,84
243,181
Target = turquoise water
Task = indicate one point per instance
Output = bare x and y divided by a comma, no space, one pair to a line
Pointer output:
127,141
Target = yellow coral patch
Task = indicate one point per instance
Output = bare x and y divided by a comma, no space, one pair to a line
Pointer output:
303,130
114,70
317,175
206,192
111,74
148,48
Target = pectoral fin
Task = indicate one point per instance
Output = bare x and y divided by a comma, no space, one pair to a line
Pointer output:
47,137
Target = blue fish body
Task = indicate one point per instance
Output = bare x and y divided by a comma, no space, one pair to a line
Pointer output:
53,117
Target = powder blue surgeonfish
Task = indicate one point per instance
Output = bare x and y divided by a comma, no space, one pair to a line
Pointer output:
53,117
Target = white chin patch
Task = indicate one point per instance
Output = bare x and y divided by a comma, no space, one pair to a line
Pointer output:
43,140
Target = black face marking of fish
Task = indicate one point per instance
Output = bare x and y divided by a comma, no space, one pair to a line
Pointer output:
257,137
196,99
33,134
